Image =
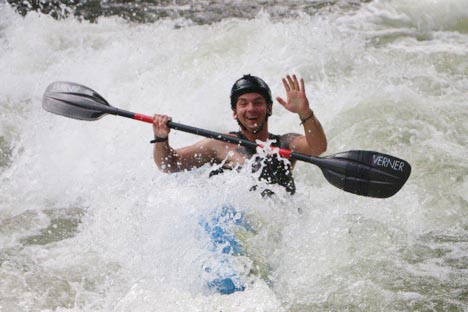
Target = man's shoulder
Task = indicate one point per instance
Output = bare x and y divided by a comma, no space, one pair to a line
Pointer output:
291,135
284,140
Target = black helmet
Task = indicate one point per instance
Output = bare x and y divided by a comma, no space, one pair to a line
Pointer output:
249,84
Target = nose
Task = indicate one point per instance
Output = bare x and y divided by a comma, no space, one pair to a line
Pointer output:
250,106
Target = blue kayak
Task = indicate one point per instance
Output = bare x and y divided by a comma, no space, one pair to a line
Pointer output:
223,228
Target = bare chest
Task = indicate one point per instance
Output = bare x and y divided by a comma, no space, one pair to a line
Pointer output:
232,155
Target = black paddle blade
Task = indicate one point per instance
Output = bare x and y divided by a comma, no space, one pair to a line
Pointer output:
366,173
75,101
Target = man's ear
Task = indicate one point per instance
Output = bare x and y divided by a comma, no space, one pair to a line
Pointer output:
234,115
269,110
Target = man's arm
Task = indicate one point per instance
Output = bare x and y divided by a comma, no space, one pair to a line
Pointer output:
314,142
169,160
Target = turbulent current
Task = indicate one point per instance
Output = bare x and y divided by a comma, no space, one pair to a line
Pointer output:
88,223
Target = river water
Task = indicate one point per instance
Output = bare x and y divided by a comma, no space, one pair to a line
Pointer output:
87,223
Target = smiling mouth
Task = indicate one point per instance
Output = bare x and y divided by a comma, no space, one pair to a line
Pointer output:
251,123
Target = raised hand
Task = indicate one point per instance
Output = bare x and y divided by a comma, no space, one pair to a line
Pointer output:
297,101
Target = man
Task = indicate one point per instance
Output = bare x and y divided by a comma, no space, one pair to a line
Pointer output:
251,104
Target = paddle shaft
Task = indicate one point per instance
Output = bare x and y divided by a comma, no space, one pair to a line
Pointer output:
229,139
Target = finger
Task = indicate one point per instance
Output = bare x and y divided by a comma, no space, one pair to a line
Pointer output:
156,119
291,83
302,85
281,101
286,85
164,120
296,83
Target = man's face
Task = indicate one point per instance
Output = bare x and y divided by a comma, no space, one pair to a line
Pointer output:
251,110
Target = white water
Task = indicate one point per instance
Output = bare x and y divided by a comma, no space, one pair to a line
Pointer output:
87,223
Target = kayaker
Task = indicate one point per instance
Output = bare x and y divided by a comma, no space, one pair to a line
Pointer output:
251,104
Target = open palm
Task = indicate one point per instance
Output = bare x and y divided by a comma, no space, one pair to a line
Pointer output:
297,101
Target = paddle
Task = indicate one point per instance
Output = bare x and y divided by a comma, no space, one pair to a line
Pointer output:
364,173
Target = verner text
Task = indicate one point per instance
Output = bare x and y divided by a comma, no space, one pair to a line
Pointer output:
383,161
